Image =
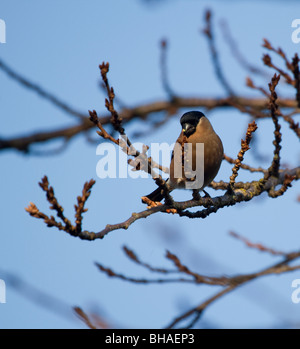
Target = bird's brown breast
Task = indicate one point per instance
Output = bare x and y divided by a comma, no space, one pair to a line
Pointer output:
213,154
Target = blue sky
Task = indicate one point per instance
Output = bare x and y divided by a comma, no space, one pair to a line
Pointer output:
59,45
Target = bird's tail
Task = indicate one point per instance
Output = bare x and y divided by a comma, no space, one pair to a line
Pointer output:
156,195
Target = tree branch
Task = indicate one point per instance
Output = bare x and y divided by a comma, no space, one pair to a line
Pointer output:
40,91
143,111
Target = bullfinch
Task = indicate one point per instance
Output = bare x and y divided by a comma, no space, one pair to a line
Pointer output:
197,143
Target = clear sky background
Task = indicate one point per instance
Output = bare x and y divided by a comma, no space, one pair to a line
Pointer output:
59,45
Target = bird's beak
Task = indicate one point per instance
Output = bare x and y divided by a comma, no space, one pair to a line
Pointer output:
186,127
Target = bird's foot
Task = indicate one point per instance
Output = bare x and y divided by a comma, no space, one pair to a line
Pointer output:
196,195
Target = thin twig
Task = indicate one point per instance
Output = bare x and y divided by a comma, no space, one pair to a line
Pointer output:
230,160
164,70
258,246
109,272
132,256
214,54
296,73
237,54
24,143
40,91
244,147
74,230
233,283
274,168
268,61
242,192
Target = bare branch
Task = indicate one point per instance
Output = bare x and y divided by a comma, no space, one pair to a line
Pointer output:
296,73
84,317
241,192
214,54
244,166
93,321
24,143
40,91
237,54
164,70
244,147
233,283
74,230
109,272
257,246
274,168
132,256
268,61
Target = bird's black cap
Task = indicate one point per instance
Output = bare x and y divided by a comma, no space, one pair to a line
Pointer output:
191,117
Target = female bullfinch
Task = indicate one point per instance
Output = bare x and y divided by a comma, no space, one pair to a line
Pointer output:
196,130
